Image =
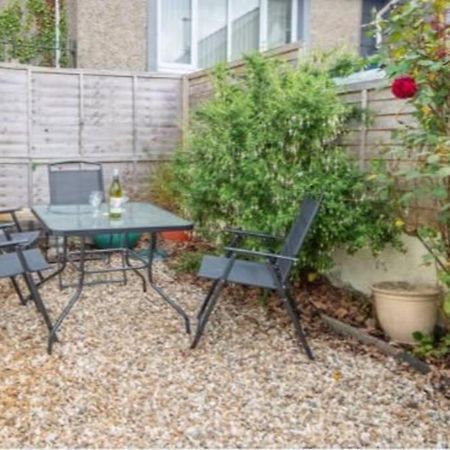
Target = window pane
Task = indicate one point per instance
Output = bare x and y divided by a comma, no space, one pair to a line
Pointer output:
212,32
279,19
244,27
175,34
370,7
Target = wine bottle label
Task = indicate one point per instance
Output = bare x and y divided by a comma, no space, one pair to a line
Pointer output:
115,205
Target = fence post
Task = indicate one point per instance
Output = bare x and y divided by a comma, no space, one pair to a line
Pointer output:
184,109
135,136
80,112
363,130
29,140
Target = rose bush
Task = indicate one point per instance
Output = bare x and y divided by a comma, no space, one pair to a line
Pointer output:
417,43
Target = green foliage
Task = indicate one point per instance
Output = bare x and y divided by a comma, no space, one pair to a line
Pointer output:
337,62
188,262
418,44
163,190
27,32
429,347
268,137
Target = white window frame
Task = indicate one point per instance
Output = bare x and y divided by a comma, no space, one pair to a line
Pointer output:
263,29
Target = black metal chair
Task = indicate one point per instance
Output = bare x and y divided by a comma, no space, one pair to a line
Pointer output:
272,274
7,231
13,231
16,259
71,182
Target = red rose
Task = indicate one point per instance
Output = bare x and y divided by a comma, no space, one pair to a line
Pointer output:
404,87
441,53
437,26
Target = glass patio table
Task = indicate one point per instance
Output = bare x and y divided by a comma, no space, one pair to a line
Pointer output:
84,221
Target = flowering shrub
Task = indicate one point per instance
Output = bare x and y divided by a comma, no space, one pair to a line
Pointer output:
418,44
264,140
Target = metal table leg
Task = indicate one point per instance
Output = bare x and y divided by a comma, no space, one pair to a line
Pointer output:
75,297
152,283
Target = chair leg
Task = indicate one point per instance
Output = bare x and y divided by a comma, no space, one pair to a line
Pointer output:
38,300
294,314
64,259
211,300
208,306
18,291
206,300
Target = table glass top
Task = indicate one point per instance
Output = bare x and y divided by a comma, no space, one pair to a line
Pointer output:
83,219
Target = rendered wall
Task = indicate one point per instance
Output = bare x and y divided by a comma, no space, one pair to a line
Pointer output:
110,34
362,270
335,23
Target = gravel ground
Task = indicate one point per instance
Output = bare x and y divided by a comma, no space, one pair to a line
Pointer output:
123,376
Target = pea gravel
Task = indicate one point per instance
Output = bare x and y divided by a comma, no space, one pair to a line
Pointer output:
124,376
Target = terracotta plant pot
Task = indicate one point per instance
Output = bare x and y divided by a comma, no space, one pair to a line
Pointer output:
178,236
403,308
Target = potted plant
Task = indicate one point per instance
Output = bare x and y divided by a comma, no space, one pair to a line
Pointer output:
418,61
403,309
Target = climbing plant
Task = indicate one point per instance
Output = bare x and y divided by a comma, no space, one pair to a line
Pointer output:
27,32
416,55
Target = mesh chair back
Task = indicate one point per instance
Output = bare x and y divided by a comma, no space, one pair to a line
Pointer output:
297,234
71,182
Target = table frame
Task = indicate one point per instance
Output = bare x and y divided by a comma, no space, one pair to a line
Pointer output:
146,265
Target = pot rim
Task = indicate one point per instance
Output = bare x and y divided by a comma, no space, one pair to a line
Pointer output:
406,289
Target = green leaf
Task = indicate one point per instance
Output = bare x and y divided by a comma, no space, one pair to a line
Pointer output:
446,305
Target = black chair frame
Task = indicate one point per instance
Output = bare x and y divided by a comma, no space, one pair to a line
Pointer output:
278,264
68,173
19,247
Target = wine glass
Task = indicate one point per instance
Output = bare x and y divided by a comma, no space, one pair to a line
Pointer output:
95,200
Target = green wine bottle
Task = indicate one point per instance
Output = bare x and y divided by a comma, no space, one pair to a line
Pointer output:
115,197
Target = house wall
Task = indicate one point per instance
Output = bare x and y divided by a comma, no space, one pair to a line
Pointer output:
334,23
110,34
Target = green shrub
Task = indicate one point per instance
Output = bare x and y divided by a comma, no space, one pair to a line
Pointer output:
267,138
337,62
188,262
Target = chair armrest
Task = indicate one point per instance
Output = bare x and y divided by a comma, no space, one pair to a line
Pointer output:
262,254
14,243
8,210
6,225
257,234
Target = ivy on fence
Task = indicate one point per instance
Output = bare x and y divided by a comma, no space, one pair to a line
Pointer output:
27,32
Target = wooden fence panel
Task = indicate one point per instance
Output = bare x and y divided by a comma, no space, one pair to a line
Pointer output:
126,121
54,115
108,116
13,184
158,117
13,113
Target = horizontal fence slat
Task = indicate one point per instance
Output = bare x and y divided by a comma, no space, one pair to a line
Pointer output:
105,127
